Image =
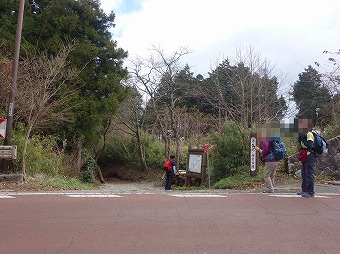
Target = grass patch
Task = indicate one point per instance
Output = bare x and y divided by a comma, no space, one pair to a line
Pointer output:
186,188
238,182
42,183
69,183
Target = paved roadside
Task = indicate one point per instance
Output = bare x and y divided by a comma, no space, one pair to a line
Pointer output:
144,187
326,187
150,187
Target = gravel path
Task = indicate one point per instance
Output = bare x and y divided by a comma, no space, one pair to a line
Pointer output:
131,187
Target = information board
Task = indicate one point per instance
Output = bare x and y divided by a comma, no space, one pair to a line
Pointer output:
195,163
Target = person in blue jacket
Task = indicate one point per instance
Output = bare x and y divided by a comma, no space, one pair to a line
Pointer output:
307,167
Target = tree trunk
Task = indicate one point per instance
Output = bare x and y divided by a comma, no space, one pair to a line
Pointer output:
79,161
167,146
99,172
178,153
24,151
141,149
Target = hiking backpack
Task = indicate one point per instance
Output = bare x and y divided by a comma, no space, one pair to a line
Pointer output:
277,151
320,145
167,165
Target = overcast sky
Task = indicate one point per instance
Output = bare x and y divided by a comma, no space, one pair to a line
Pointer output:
292,34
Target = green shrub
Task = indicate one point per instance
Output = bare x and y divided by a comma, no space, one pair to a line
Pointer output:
154,149
42,155
88,170
87,176
125,150
231,151
240,179
333,129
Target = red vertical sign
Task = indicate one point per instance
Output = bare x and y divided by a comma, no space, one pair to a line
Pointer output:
206,148
2,128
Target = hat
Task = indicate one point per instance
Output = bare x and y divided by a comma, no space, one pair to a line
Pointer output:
172,156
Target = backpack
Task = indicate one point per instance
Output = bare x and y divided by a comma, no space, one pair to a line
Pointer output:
320,145
277,151
167,165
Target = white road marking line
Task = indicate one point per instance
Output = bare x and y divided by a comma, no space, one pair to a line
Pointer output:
54,193
94,196
294,196
5,196
198,195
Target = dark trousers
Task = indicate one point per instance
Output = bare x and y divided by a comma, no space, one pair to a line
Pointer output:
307,174
168,181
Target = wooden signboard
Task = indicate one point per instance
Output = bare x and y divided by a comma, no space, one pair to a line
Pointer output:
196,166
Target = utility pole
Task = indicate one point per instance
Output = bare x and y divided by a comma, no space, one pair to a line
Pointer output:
10,110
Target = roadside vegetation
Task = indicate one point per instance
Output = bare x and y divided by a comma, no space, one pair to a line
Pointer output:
81,117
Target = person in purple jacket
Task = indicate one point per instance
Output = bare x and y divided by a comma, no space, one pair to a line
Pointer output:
270,166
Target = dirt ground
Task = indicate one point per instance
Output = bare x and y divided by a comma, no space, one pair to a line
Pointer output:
129,173
113,174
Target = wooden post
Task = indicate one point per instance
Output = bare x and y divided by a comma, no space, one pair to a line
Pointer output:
254,158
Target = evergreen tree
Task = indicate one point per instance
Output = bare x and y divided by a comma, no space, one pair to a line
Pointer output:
312,99
48,26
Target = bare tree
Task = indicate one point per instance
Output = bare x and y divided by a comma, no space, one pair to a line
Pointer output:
153,75
259,88
5,77
39,102
245,89
330,72
130,120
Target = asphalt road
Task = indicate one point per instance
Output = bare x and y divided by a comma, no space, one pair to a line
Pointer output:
168,222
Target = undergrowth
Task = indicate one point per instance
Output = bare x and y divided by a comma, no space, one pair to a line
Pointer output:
237,182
